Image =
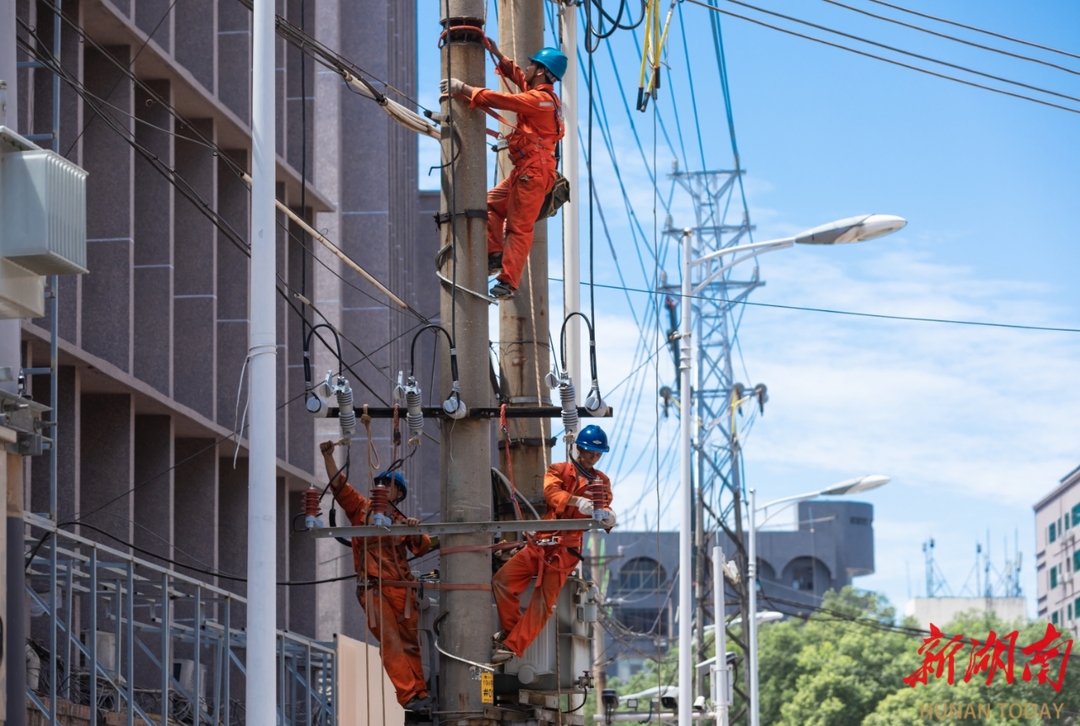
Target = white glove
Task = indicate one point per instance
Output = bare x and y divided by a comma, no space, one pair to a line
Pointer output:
451,86
585,506
609,519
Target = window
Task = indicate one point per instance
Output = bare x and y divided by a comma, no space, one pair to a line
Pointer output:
1075,514
643,620
642,573
1054,617
1076,561
1076,608
1053,533
1066,520
1069,611
860,520
1053,577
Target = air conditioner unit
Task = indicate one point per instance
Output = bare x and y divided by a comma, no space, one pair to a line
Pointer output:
183,670
43,208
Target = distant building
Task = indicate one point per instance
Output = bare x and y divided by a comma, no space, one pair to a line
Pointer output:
940,610
833,544
1057,557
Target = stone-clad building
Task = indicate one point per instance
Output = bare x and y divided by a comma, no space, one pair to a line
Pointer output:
153,341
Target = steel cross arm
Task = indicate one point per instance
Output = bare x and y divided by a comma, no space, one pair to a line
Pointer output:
441,528
474,412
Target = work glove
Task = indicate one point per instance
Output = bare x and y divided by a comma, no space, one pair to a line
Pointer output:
450,86
609,519
585,506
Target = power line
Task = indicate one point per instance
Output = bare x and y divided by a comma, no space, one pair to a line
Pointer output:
886,60
975,29
132,63
908,318
952,37
894,49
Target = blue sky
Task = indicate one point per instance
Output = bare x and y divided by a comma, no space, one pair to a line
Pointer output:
973,424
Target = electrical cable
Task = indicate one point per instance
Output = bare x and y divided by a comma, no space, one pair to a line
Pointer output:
181,185
905,318
303,192
910,54
134,58
975,29
925,71
54,66
952,37
201,140
596,33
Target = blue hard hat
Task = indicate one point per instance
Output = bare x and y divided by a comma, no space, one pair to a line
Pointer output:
385,477
553,59
592,438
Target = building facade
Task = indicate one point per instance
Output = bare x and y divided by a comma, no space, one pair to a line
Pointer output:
150,447
833,544
1057,556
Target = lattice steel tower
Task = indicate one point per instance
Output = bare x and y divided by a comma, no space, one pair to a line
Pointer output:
720,221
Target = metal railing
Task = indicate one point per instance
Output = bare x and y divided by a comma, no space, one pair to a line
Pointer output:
121,634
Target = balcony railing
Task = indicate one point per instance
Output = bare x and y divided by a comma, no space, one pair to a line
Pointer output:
123,635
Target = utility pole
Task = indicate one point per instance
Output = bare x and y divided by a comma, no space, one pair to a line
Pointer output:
465,450
524,319
262,391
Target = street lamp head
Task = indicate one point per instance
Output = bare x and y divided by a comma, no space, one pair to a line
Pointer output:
856,485
853,229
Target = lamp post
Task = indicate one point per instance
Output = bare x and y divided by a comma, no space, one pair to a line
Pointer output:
848,486
852,229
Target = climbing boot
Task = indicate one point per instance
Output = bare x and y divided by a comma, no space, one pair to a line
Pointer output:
494,263
501,291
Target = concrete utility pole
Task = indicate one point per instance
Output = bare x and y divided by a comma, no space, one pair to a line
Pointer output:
262,434
524,319
466,443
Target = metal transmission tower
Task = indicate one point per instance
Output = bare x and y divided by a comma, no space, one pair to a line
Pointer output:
715,316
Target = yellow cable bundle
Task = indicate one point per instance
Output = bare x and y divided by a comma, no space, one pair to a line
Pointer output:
652,49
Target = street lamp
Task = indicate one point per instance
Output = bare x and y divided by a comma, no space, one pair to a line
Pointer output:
851,229
848,486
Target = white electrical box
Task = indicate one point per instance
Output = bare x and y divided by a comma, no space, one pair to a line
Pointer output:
42,208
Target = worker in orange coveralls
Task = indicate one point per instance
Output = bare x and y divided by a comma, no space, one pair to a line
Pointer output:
514,204
391,609
551,561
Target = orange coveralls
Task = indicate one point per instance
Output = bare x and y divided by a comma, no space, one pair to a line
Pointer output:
386,559
515,202
551,564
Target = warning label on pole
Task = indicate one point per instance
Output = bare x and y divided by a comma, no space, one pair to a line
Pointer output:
487,688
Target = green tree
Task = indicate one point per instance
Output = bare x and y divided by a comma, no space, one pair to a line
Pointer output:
833,668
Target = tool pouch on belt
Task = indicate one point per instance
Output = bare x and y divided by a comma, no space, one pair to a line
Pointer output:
558,196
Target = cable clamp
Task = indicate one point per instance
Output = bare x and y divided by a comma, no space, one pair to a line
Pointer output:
444,217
